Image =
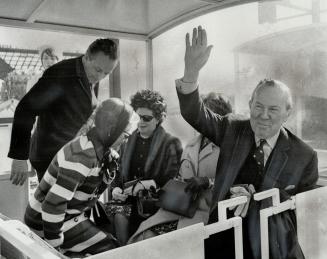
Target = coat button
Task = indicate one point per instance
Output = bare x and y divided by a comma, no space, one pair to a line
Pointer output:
76,219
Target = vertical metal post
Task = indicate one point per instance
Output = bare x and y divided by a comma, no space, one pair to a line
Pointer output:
236,87
149,65
238,237
315,11
237,222
276,208
264,235
114,80
299,115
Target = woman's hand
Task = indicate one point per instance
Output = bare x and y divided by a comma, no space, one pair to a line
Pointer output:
138,187
113,155
197,184
118,194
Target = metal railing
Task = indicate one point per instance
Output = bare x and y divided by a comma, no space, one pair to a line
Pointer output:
16,233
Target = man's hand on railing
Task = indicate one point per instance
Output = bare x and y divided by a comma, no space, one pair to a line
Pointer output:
242,190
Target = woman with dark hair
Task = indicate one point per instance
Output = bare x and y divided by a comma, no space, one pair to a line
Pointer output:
198,168
79,173
150,155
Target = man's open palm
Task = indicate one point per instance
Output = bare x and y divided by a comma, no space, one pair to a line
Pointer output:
197,53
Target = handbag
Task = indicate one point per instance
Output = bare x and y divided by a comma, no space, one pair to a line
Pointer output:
146,202
173,198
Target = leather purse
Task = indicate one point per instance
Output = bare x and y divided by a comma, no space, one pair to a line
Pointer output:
172,197
146,201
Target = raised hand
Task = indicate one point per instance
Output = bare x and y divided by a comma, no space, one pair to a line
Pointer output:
196,54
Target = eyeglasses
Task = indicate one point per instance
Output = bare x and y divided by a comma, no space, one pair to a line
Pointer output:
146,118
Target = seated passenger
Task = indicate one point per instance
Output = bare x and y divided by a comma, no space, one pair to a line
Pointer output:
60,209
150,154
198,168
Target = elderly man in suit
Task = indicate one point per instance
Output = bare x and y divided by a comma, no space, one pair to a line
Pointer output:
257,152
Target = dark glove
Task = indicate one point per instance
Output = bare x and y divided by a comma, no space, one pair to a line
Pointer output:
197,184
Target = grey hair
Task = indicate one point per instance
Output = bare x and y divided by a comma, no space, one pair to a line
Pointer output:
217,103
275,83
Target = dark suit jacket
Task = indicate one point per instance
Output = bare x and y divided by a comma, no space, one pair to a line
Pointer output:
62,99
292,163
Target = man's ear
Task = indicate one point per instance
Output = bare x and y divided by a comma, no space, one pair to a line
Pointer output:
250,103
88,56
288,113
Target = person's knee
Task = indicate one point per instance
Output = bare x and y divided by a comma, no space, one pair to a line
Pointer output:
121,220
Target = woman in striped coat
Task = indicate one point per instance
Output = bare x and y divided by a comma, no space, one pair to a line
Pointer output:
60,209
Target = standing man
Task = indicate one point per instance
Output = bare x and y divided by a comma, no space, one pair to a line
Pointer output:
63,99
257,152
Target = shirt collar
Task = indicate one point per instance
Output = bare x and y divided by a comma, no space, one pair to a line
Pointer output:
270,141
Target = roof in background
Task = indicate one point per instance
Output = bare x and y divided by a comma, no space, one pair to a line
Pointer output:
131,19
306,38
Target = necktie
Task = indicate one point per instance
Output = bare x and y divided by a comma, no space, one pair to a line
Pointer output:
259,156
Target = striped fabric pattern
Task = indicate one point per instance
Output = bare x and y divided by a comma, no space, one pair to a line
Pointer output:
66,191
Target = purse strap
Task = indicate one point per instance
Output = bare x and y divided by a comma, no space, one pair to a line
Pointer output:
193,168
140,182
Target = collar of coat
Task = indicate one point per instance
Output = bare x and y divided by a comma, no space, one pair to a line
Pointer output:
158,139
194,155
